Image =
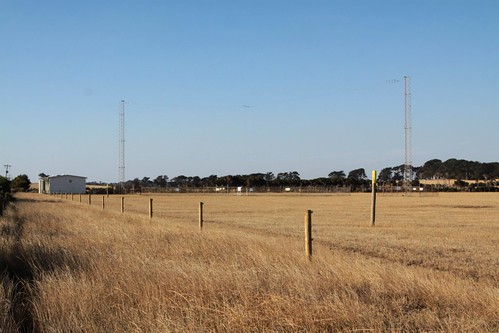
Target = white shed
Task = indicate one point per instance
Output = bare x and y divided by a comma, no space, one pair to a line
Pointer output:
62,184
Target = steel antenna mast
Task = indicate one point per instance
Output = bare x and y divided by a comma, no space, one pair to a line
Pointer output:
408,134
122,147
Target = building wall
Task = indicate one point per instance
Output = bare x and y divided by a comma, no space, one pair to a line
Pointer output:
66,184
43,185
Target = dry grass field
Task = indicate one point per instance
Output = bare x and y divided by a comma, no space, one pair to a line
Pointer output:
431,264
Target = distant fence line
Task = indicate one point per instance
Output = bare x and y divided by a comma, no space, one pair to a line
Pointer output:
246,190
284,189
388,189
382,188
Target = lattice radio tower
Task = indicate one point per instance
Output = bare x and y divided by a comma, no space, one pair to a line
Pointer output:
408,134
122,147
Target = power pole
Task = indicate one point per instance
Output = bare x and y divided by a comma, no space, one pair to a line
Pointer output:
408,134
7,166
122,147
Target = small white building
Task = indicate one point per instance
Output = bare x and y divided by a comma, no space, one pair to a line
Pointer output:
62,184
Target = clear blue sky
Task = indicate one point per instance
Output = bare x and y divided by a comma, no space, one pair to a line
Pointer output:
236,87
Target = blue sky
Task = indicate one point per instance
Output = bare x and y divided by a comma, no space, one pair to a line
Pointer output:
236,87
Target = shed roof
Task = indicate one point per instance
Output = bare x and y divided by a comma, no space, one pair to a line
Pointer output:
60,176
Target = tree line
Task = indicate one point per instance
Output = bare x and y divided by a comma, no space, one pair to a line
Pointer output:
451,169
356,179
269,179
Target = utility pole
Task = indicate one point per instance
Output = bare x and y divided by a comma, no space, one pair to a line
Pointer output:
408,134
7,167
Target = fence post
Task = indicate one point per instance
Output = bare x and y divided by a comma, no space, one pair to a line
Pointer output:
103,204
150,208
122,204
201,215
80,197
373,198
89,198
72,196
308,234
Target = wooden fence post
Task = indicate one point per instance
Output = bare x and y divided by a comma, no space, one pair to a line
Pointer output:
150,208
373,198
201,215
103,204
122,204
72,196
80,197
308,234
89,198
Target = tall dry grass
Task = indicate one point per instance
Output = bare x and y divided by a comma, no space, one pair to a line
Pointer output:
431,264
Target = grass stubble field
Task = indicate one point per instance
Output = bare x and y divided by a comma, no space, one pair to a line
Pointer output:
431,264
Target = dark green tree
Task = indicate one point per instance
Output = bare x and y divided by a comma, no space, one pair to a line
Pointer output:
5,195
179,181
146,182
357,174
291,178
431,169
269,177
195,181
161,181
135,184
337,177
210,181
4,185
225,180
21,182
385,176
255,180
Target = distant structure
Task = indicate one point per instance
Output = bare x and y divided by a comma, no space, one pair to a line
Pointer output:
62,184
408,134
122,148
7,166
